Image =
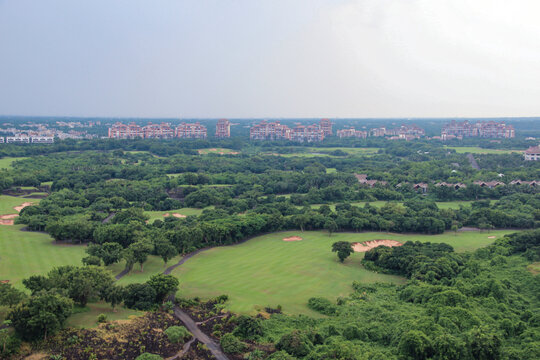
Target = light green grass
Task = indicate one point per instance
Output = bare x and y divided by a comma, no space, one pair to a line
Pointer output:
331,170
7,203
49,183
268,271
7,162
26,253
154,215
479,150
87,317
217,151
534,268
153,265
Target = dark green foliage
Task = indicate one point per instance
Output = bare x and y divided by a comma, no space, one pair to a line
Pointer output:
343,248
10,296
295,343
231,344
139,296
322,305
40,316
248,328
163,286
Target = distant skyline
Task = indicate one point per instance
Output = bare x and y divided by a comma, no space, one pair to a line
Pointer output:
270,58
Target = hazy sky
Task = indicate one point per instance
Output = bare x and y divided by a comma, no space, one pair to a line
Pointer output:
274,58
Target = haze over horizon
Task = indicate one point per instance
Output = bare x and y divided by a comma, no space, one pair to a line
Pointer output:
270,58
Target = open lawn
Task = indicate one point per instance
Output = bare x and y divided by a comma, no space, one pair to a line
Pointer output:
184,211
87,317
479,150
6,162
26,253
220,151
7,203
269,271
323,151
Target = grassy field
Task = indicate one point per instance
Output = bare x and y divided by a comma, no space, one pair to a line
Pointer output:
220,151
87,316
314,152
154,215
479,150
331,170
7,203
268,271
6,163
26,253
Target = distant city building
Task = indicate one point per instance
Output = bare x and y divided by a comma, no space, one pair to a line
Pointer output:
158,131
275,130
489,129
326,127
407,132
1,139
191,131
42,139
223,128
532,153
18,139
122,131
269,131
344,133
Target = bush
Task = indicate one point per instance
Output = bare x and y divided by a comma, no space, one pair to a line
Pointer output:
296,344
177,334
248,328
280,355
322,305
139,296
102,318
148,356
231,345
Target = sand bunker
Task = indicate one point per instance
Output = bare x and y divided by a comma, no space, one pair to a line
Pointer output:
8,218
292,238
22,206
179,215
368,245
166,214
492,237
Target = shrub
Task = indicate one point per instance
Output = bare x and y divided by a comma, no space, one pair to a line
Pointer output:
139,296
177,334
148,356
322,305
248,327
352,332
102,318
231,344
280,355
296,344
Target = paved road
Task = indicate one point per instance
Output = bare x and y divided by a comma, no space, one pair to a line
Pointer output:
214,348
473,162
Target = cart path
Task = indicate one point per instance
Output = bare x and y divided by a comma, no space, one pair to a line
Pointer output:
473,162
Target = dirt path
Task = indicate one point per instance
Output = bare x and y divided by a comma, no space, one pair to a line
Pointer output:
108,218
184,350
183,260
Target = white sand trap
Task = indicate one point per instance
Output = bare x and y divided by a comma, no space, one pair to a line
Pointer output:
177,215
292,238
368,245
8,219
166,214
492,237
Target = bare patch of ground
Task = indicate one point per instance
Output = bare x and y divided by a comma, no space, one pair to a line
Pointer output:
177,215
292,238
368,245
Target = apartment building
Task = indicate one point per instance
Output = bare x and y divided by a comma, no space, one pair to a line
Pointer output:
488,129
351,132
191,131
223,128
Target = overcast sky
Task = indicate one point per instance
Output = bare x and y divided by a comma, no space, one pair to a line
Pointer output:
270,58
